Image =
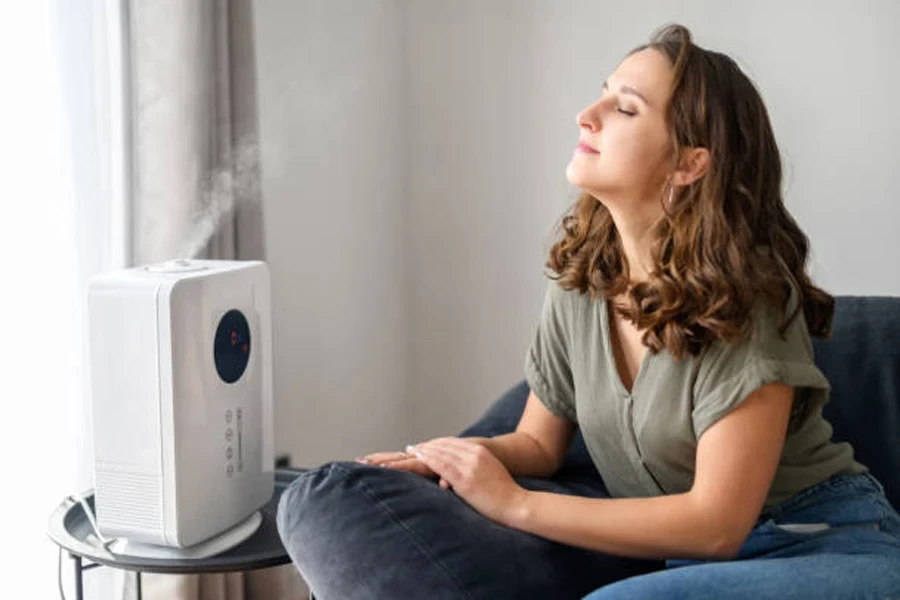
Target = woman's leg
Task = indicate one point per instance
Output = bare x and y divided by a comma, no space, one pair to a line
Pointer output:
356,531
840,539
820,577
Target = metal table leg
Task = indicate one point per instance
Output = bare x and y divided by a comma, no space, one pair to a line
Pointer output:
140,593
79,582
80,568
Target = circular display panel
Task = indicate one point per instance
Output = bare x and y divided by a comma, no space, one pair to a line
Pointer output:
231,348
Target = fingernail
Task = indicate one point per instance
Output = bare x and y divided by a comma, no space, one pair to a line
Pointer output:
362,459
410,449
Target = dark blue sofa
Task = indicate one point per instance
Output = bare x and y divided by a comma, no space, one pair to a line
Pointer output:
357,531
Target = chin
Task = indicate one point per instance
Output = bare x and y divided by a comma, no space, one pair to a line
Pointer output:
581,177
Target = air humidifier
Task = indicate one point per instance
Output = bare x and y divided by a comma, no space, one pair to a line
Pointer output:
181,401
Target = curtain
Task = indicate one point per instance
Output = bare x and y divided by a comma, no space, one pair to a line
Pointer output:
194,179
40,352
193,129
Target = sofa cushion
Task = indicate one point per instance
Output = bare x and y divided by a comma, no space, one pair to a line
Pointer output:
861,359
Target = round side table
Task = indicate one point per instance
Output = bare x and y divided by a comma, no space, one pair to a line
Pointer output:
70,529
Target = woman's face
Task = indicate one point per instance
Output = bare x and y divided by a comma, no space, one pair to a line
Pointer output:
624,154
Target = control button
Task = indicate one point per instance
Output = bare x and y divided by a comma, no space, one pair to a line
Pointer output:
229,453
229,469
228,417
229,434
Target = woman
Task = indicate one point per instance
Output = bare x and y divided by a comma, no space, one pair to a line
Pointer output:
676,335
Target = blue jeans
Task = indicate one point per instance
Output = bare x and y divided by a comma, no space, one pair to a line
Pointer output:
360,532
839,539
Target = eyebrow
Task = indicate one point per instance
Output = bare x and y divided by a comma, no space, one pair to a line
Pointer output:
625,89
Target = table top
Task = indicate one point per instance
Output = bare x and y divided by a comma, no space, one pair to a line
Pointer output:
70,529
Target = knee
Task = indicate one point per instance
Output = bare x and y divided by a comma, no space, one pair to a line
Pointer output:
304,505
338,501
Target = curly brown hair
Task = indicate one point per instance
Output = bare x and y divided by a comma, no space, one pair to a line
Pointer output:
727,242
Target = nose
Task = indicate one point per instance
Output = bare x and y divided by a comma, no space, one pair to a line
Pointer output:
588,118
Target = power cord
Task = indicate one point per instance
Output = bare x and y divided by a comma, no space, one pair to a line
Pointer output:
62,594
90,517
104,541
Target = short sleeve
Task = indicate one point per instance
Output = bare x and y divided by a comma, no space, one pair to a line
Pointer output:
547,369
729,373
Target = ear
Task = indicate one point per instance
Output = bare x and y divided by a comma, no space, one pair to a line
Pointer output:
694,164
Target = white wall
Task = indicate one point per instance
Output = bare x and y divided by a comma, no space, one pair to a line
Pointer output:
330,85
483,194
432,137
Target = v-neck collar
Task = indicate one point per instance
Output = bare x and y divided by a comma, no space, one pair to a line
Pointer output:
606,330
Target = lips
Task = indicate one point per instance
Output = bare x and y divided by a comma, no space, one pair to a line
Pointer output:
583,147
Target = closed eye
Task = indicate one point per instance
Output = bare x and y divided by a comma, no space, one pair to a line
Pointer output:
626,112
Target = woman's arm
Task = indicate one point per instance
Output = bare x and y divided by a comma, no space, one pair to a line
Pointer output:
539,444
536,448
735,465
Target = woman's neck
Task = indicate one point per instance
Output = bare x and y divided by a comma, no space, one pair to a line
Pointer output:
635,233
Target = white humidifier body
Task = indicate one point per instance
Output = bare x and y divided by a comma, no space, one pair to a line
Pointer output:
181,400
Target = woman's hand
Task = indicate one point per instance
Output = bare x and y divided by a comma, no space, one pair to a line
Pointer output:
475,474
402,461
397,460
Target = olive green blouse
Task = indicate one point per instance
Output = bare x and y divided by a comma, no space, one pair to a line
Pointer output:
644,442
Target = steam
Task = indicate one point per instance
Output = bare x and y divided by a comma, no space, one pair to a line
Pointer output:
232,184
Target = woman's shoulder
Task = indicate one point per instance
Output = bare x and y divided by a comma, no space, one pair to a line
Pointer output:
569,299
775,334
